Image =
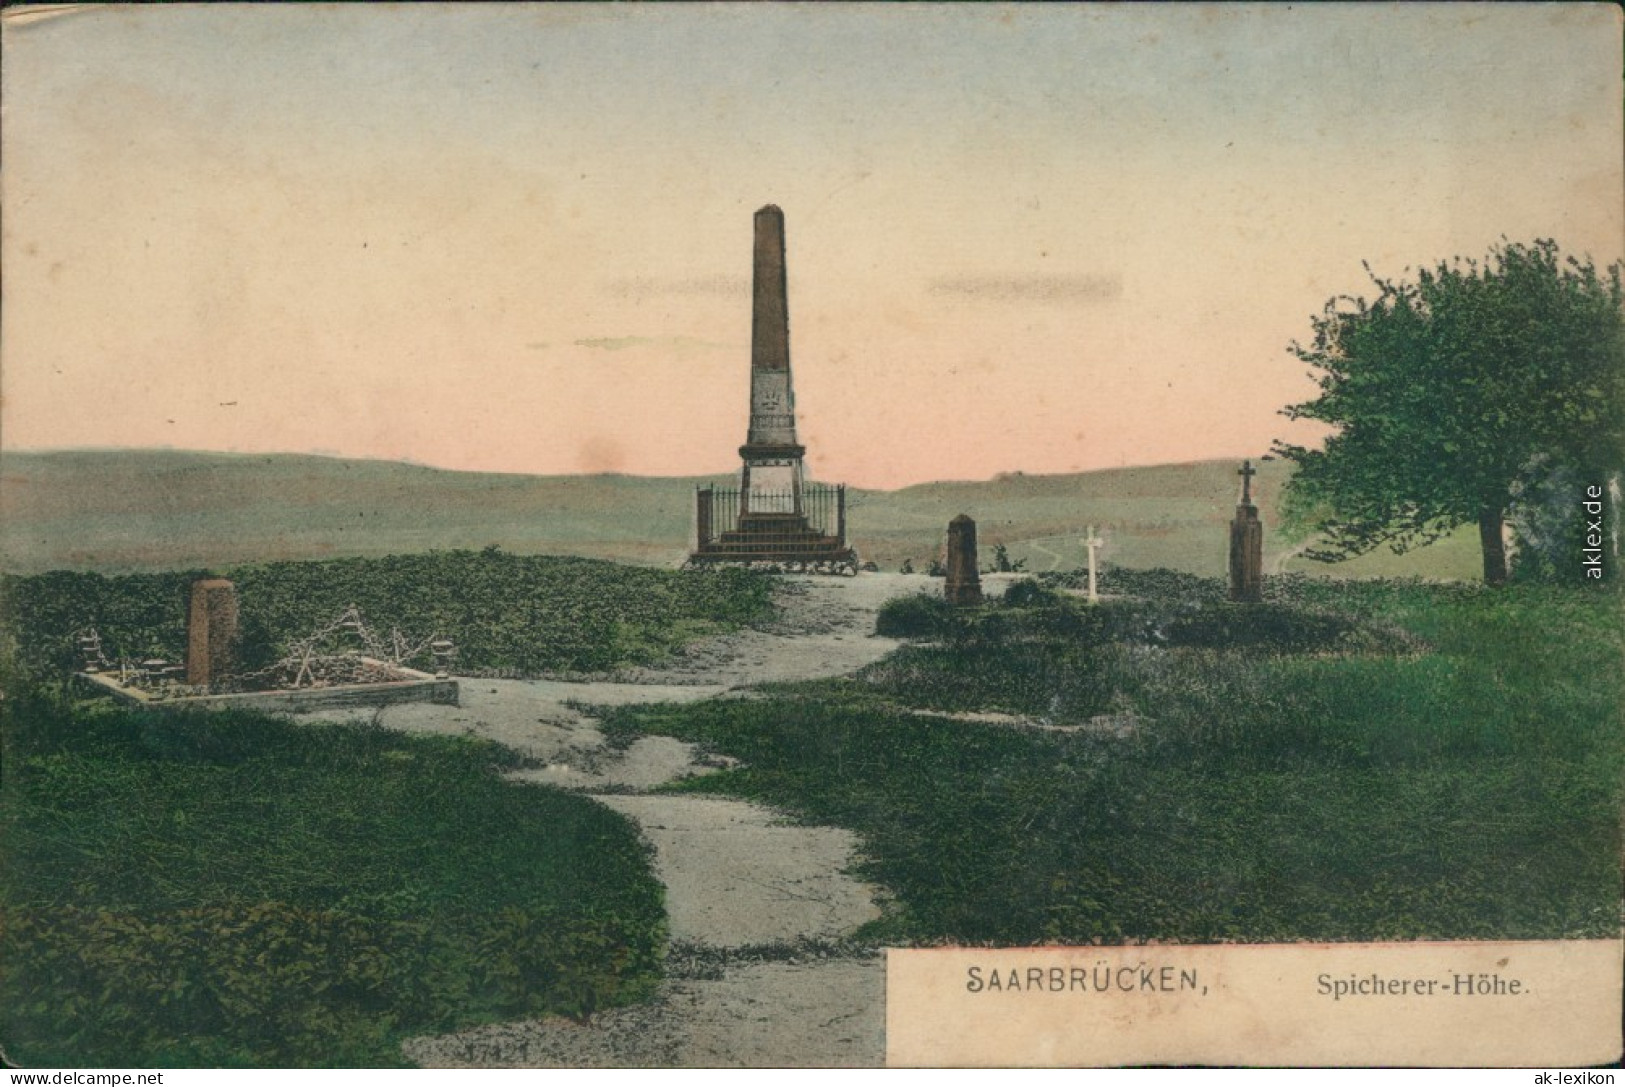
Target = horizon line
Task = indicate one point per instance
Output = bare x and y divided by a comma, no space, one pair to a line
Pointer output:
403,462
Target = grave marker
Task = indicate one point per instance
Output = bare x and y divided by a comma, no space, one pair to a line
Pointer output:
211,632
964,581
1246,544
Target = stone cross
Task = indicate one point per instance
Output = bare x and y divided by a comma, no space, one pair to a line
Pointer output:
211,632
964,580
1092,542
1246,472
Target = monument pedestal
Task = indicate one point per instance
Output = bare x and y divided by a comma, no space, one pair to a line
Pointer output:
1246,556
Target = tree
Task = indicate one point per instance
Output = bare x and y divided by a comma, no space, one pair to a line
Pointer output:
1002,563
1448,391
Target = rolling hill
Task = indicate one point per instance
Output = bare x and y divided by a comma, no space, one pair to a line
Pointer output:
125,510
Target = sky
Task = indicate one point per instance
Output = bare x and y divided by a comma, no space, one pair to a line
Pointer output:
517,238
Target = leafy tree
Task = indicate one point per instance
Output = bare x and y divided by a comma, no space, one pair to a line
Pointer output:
1002,563
1446,392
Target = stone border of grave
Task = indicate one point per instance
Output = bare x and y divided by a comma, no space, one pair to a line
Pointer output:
413,686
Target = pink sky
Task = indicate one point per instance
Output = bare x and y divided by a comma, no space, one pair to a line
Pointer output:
516,238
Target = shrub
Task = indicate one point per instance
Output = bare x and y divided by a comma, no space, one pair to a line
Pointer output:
1028,593
1276,627
918,615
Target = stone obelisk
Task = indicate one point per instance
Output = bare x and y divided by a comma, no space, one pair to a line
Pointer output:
776,520
772,477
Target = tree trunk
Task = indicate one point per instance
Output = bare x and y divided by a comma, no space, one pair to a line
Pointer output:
1490,523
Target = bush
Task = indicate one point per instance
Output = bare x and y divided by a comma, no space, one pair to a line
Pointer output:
918,615
1028,593
1275,627
1158,584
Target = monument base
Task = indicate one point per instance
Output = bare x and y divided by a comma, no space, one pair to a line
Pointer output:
776,542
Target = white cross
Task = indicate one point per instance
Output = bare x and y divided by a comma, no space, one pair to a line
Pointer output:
1092,542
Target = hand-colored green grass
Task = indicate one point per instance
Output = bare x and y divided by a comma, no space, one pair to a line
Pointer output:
1446,764
521,614
237,890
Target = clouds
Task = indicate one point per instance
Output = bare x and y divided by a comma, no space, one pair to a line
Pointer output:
643,288
1060,290
544,215
681,345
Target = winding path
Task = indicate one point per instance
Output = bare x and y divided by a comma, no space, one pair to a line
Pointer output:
757,906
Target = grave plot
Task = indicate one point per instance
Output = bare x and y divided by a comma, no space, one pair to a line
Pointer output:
343,664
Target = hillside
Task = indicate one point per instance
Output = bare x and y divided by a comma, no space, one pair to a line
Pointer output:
158,509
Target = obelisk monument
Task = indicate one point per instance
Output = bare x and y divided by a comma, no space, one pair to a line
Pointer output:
776,521
773,473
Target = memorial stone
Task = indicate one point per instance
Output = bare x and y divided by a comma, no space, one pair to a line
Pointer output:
964,581
211,632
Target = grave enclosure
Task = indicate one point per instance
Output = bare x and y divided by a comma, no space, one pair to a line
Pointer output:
213,680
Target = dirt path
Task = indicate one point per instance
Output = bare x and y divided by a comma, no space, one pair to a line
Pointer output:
756,905
1055,558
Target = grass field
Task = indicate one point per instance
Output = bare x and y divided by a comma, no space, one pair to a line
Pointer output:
236,890
1352,760
156,510
1348,762
524,615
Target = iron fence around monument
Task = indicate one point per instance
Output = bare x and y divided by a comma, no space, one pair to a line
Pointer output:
813,519
821,508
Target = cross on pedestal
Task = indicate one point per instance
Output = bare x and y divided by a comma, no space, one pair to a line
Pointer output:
1246,544
1092,542
1246,472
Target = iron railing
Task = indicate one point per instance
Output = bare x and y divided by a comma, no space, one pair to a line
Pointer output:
812,517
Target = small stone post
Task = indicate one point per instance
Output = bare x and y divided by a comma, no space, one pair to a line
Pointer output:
1093,543
964,581
1246,544
211,632
702,516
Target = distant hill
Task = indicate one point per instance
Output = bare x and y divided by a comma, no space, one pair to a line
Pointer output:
157,509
